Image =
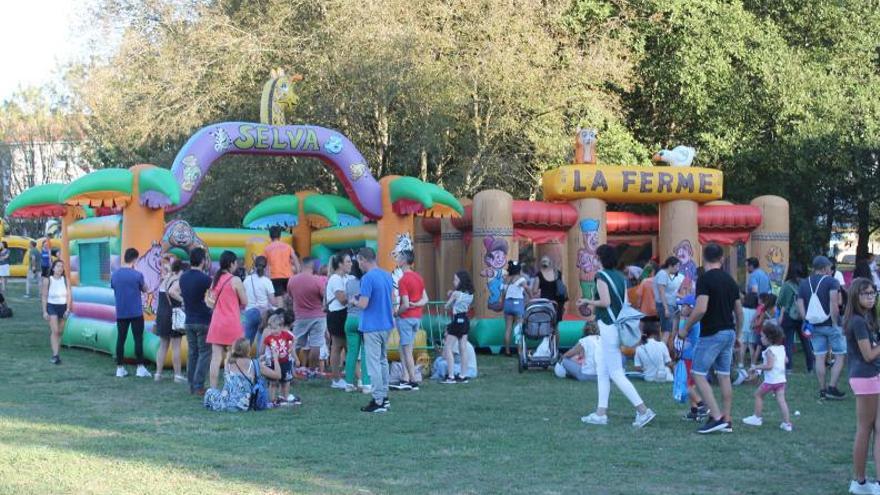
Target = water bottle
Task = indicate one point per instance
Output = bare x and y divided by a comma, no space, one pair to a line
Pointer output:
808,330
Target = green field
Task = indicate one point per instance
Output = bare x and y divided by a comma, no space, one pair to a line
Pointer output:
75,428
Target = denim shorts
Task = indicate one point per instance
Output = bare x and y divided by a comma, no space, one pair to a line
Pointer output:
406,328
714,351
666,323
56,309
825,337
514,307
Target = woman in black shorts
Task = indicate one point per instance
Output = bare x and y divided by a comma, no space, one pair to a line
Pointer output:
335,301
460,300
56,306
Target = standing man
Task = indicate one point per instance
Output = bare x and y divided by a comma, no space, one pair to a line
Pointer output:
758,280
128,285
413,297
719,312
377,320
193,285
34,269
306,290
46,256
282,263
818,304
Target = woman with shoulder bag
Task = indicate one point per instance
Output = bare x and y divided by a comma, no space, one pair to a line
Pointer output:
610,367
226,297
170,319
260,295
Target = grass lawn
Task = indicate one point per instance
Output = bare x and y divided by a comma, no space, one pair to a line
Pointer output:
75,428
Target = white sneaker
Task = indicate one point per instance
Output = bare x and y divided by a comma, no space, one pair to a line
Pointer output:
120,372
753,420
785,426
142,372
339,384
367,389
866,488
643,419
180,379
741,376
595,419
350,388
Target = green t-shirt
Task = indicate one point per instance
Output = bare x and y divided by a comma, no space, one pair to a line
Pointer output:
788,301
619,281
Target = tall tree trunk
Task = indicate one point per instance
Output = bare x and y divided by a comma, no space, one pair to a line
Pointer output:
829,221
863,210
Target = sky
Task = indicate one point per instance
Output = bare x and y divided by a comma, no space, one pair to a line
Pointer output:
36,35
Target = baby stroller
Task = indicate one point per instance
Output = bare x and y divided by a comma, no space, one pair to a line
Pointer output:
539,322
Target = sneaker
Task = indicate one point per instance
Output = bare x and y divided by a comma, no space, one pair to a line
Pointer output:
691,416
462,379
374,407
413,385
822,394
386,403
400,386
712,425
142,372
741,376
367,389
55,360
293,400
157,376
865,487
834,394
449,381
339,384
350,388
120,372
753,420
180,379
702,412
785,426
643,419
595,419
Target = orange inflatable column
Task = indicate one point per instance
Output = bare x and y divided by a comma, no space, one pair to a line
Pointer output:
391,228
141,226
493,245
66,221
423,244
583,239
770,241
680,237
302,233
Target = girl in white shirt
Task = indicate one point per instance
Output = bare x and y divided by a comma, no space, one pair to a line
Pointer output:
774,375
336,301
652,357
260,294
514,300
56,305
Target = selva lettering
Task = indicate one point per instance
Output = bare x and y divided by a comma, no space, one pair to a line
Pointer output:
262,137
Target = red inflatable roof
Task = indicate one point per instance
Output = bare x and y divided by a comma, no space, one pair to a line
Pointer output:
539,214
709,218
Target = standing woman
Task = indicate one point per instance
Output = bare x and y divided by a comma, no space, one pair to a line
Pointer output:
4,265
860,326
514,300
227,297
169,300
667,282
790,319
260,295
610,367
337,312
354,340
550,286
56,306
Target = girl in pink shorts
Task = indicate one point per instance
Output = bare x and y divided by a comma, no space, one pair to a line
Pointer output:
773,367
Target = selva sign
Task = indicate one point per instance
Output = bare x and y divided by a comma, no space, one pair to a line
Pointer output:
622,184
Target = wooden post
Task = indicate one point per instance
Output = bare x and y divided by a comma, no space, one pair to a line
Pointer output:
770,241
493,245
680,237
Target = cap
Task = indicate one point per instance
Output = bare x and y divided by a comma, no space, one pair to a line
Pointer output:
688,300
821,262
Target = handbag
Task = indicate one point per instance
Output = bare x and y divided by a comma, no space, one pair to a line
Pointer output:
561,289
679,383
210,299
627,320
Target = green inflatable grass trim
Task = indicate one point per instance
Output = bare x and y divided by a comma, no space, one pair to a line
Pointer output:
425,193
117,180
329,206
45,194
161,181
286,204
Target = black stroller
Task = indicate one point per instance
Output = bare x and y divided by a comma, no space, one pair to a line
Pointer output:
539,322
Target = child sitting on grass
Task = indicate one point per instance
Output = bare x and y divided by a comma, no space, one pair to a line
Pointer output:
766,312
579,362
773,367
652,356
684,346
278,339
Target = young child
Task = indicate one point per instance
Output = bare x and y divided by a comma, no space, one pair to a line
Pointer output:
774,377
652,357
460,300
766,312
277,338
579,362
685,345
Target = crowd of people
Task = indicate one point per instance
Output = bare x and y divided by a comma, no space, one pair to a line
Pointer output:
288,316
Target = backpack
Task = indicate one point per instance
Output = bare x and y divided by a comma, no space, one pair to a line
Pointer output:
815,312
792,311
259,399
627,320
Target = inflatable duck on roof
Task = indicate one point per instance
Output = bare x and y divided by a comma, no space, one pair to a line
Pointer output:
680,156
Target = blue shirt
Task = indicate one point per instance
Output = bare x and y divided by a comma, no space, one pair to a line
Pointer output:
193,285
127,284
761,279
378,316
